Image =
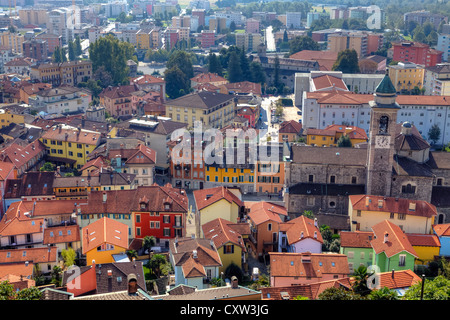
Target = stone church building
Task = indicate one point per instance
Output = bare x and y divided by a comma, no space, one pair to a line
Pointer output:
395,162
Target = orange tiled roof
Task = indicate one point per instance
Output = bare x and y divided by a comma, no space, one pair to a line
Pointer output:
398,279
103,231
442,230
19,268
72,135
221,231
17,221
423,240
32,255
315,265
5,169
298,226
390,204
61,234
290,126
206,197
356,239
329,81
208,77
397,241
142,155
263,211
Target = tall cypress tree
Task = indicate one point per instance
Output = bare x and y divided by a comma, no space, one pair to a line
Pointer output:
214,65
245,66
71,51
234,68
57,55
78,49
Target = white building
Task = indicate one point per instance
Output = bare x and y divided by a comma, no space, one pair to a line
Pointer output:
444,45
311,17
293,20
64,99
320,109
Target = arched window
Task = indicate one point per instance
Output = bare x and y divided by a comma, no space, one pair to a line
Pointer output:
383,128
408,188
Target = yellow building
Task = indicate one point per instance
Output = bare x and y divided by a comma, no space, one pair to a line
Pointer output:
69,146
228,241
412,216
6,118
12,41
338,42
212,109
230,176
219,202
329,136
143,39
102,239
427,247
406,76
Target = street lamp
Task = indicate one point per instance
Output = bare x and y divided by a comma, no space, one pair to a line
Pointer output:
423,285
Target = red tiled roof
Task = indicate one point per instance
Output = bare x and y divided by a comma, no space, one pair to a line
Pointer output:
17,221
329,81
442,230
357,239
61,234
104,230
389,204
222,232
208,77
33,255
298,226
423,240
5,169
206,197
19,155
325,59
72,135
244,87
19,268
398,279
315,265
397,241
290,126
142,155
263,211
146,79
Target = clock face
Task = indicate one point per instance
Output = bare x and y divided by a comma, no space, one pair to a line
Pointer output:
382,141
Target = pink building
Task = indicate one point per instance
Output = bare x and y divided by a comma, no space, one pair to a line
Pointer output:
252,26
208,38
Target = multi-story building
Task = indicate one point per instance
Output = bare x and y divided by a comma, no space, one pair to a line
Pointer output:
249,41
311,17
444,44
12,41
69,146
53,41
211,109
143,39
35,16
207,38
338,42
437,80
201,14
425,16
61,100
35,49
407,76
293,20
69,73
252,26
418,53
63,21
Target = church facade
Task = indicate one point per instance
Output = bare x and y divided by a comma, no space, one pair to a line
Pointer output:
395,162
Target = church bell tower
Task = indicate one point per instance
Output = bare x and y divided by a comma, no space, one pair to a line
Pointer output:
380,151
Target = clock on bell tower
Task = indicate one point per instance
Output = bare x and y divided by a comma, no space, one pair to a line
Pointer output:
380,151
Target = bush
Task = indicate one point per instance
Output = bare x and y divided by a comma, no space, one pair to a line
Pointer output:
287,102
234,270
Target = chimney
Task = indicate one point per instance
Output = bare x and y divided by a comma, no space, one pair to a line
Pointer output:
194,254
234,282
105,196
132,284
386,237
315,223
367,201
393,270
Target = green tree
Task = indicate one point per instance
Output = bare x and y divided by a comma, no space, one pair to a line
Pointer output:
434,134
78,48
148,243
301,43
245,66
361,276
56,57
436,289
6,291
300,298
347,61
276,75
234,270
177,84
383,294
234,70
338,294
158,265
72,55
344,142
48,166
32,293
232,26
69,255
131,254
257,72
56,276
214,65
308,214
183,61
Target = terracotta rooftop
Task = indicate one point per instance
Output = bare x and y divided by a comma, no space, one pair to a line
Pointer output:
72,135
301,228
208,77
263,211
104,230
390,204
206,197
442,230
222,232
398,279
61,234
356,239
396,242
290,126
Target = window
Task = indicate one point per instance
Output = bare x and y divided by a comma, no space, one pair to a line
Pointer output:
332,179
138,231
138,218
353,180
350,254
408,188
362,255
166,219
228,249
269,227
401,216
310,178
392,215
166,232
402,260
358,213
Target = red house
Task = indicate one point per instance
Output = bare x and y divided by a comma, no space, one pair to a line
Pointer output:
418,53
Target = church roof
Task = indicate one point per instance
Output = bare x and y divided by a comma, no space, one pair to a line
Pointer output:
386,86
